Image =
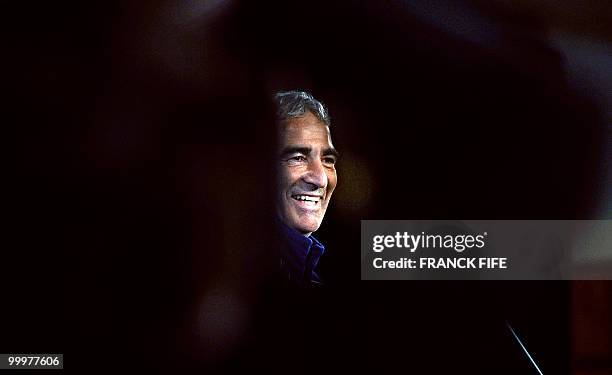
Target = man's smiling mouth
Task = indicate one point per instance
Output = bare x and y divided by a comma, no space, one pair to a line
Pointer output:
307,201
306,198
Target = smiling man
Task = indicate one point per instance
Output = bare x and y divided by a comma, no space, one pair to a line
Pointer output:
306,181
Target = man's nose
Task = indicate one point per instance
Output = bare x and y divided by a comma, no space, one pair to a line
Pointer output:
315,174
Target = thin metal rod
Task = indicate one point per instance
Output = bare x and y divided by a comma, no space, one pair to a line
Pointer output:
524,349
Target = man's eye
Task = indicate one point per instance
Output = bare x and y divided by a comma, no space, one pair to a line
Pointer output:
297,158
329,161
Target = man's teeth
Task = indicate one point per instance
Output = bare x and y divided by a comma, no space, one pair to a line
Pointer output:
306,198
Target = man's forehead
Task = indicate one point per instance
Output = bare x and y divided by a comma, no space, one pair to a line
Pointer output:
306,118
301,130
306,126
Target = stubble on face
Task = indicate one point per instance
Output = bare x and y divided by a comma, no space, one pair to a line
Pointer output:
307,173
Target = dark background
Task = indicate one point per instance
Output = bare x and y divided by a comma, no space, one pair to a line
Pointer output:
140,210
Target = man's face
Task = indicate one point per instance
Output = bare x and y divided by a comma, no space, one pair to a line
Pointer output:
307,175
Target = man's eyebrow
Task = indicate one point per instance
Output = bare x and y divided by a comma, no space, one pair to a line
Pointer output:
305,150
295,150
331,151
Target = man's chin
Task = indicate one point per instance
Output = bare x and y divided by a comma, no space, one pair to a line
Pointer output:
305,224
306,227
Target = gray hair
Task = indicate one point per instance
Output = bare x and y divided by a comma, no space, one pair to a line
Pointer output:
292,104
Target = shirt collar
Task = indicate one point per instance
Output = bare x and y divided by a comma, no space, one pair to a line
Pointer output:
301,254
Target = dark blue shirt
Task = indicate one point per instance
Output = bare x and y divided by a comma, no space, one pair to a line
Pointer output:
299,257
